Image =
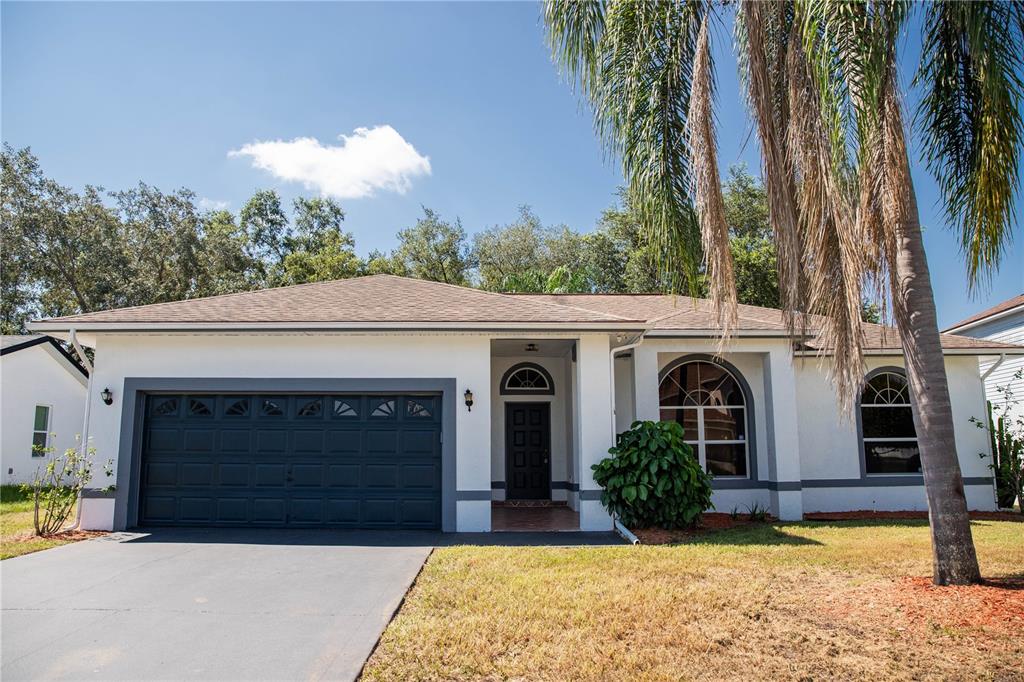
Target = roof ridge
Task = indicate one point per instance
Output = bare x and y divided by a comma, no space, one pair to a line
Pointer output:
504,295
212,296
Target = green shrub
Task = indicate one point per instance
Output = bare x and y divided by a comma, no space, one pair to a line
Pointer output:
653,478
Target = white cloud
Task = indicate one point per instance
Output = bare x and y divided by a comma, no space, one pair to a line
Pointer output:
369,160
213,204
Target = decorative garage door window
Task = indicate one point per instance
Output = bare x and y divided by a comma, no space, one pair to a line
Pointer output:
709,402
887,425
527,378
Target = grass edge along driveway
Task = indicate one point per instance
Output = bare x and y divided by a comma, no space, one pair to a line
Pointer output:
779,601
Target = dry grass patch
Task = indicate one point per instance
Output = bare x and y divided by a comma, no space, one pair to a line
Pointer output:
776,601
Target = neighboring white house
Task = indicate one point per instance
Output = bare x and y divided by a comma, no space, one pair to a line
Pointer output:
1005,323
384,402
42,399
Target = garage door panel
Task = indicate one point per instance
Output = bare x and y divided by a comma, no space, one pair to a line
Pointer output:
380,476
308,441
196,474
271,475
233,510
292,460
275,441
344,442
382,441
268,510
231,474
161,474
198,509
307,475
235,440
164,440
422,476
343,476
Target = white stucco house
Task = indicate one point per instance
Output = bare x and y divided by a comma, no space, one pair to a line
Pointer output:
386,402
42,398
1004,323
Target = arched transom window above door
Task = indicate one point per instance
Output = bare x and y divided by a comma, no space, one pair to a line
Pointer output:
527,378
710,403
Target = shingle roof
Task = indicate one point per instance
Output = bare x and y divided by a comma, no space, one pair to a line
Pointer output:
380,300
1009,304
376,299
685,314
9,340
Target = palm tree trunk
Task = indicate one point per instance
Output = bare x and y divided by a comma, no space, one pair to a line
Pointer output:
954,559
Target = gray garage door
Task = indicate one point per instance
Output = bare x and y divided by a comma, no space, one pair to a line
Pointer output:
355,461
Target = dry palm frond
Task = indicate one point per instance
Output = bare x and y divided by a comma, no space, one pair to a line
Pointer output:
707,188
762,35
833,255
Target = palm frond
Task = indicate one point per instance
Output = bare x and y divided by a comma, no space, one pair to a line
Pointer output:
707,187
970,120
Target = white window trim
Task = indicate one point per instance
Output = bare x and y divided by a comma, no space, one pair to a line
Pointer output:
701,443
45,432
864,439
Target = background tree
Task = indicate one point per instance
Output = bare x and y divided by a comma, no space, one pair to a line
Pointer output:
434,249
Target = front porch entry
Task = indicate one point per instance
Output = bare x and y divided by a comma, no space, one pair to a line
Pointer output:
534,479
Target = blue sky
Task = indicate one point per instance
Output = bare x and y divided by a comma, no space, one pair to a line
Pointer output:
111,94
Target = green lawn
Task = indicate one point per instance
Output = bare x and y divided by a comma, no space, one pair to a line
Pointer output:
846,600
16,534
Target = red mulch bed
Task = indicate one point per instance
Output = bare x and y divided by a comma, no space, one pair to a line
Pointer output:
898,515
709,523
715,521
917,604
70,536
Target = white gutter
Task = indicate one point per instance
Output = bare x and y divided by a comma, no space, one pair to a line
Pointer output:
994,367
611,374
84,446
595,325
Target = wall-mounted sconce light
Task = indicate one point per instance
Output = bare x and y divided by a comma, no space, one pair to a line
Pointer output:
469,399
107,396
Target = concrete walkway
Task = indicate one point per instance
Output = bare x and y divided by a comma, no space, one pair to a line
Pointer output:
216,604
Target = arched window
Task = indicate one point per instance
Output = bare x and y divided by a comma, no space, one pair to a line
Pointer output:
710,403
887,425
527,378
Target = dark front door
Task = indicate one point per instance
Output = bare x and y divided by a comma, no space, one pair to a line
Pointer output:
346,461
528,451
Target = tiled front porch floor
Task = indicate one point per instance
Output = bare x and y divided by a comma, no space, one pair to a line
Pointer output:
553,518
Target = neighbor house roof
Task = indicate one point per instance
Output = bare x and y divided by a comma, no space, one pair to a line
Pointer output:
12,343
388,301
1006,307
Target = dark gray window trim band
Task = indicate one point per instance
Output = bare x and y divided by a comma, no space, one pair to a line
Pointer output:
748,399
869,482
555,485
550,390
135,390
473,495
590,494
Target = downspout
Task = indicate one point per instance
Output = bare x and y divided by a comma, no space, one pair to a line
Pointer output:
611,372
619,527
84,445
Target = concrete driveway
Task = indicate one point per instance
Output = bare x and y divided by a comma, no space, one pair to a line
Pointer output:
205,604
